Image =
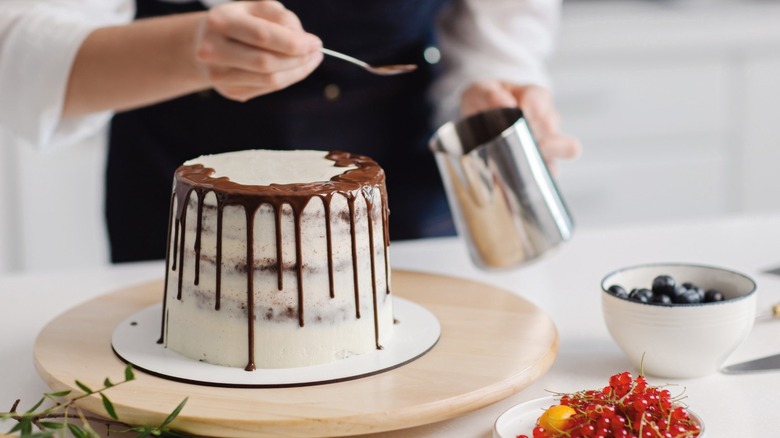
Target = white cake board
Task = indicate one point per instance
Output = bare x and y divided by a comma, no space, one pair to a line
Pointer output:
135,341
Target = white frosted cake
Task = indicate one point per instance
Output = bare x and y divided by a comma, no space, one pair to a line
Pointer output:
277,259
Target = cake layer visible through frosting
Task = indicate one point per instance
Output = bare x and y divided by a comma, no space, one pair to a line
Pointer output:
277,275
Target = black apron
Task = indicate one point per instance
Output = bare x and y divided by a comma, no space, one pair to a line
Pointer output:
338,107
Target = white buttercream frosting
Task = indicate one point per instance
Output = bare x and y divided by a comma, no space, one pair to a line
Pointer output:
264,167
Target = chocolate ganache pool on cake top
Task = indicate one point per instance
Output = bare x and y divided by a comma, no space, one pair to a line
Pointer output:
277,259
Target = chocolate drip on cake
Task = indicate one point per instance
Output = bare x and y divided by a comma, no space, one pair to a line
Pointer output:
250,284
329,241
351,203
201,195
167,269
299,264
368,195
385,219
218,286
365,179
181,222
279,254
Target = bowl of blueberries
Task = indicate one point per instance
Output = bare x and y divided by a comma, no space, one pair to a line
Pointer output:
678,320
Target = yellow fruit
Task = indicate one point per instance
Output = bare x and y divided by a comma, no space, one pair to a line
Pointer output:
556,418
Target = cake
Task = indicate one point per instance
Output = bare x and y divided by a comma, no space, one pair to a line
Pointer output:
277,259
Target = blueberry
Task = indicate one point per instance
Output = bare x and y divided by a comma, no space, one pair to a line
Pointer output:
618,291
689,297
662,299
664,284
641,295
712,296
678,290
693,287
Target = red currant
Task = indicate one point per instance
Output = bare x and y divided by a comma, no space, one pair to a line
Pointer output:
640,405
621,379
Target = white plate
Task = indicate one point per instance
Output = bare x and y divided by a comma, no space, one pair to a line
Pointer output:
135,341
521,419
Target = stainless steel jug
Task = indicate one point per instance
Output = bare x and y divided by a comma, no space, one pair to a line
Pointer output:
504,201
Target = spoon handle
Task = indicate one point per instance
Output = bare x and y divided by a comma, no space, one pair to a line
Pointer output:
344,57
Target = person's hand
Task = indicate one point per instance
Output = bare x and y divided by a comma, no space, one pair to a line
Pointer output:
538,108
249,48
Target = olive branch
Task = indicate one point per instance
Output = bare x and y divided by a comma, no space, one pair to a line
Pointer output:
64,415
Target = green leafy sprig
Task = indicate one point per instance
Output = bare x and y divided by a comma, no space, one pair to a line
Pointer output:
63,415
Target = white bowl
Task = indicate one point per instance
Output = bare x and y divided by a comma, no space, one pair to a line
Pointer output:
680,340
521,418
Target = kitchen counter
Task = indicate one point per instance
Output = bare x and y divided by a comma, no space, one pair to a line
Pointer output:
565,284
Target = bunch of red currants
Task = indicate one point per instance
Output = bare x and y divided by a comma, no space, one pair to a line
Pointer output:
627,408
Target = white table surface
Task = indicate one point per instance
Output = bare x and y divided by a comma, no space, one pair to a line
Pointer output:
565,284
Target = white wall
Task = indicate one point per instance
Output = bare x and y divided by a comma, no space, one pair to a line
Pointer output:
759,166
676,103
9,243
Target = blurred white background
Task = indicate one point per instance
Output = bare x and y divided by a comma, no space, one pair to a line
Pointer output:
676,102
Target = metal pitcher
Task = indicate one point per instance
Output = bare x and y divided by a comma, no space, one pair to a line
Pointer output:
504,201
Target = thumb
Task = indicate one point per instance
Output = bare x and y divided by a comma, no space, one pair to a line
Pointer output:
275,12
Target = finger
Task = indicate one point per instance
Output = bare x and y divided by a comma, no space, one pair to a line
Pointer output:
242,85
560,146
531,97
274,11
269,10
233,54
542,124
537,106
257,31
243,77
484,96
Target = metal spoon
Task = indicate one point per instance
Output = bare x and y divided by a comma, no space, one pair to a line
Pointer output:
383,70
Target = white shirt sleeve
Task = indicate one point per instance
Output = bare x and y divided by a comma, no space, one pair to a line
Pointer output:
507,40
39,40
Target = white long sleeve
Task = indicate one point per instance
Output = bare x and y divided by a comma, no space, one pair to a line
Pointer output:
508,40
39,40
